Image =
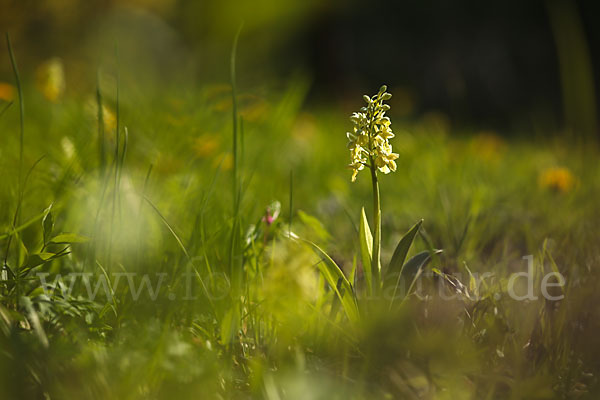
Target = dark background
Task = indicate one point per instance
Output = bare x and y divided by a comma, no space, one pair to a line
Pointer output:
499,64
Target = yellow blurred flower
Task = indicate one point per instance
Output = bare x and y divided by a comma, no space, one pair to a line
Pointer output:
50,79
253,108
206,145
559,179
109,117
110,120
216,91
488,146
168,164
7,91
225,160
223,105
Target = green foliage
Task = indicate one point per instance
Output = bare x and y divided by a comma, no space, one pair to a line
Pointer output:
337,280
245,312
396,268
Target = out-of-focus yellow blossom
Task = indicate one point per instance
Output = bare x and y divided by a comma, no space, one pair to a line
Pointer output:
206,145
50,79
223,105
488,146
225,161
216,91
7,91
559,179
251,108
168,164
110,120
369,140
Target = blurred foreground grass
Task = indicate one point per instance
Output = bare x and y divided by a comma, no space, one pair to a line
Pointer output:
261,322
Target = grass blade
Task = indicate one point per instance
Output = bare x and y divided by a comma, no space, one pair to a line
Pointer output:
366,250
332,274
395,268
101,141
410,273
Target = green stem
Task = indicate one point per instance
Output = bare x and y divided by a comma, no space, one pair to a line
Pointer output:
17,216
376,260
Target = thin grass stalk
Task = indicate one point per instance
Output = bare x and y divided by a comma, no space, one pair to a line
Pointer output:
291,203
235,192
116,164
101,140
139,214
120,170
235,122
17,214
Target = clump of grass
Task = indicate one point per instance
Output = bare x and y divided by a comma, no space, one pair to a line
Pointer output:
245,312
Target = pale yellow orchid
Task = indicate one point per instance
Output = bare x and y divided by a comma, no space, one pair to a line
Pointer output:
369,140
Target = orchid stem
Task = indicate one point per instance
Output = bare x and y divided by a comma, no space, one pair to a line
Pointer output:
376,260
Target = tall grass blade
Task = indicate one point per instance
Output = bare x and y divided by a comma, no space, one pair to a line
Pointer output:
332,274
235,272
235,119
366,250
101,140
17,214
396,266
182,247
291,202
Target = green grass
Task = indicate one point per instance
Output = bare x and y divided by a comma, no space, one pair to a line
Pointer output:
164,197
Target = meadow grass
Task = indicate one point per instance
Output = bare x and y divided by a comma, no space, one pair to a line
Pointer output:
206,191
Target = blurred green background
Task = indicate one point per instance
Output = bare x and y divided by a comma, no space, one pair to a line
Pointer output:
510,65
494,109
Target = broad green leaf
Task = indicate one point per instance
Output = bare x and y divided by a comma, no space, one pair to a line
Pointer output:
37,259
37,291
332,274
410,272
394,270
366,249
412,266
22,226
68,238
